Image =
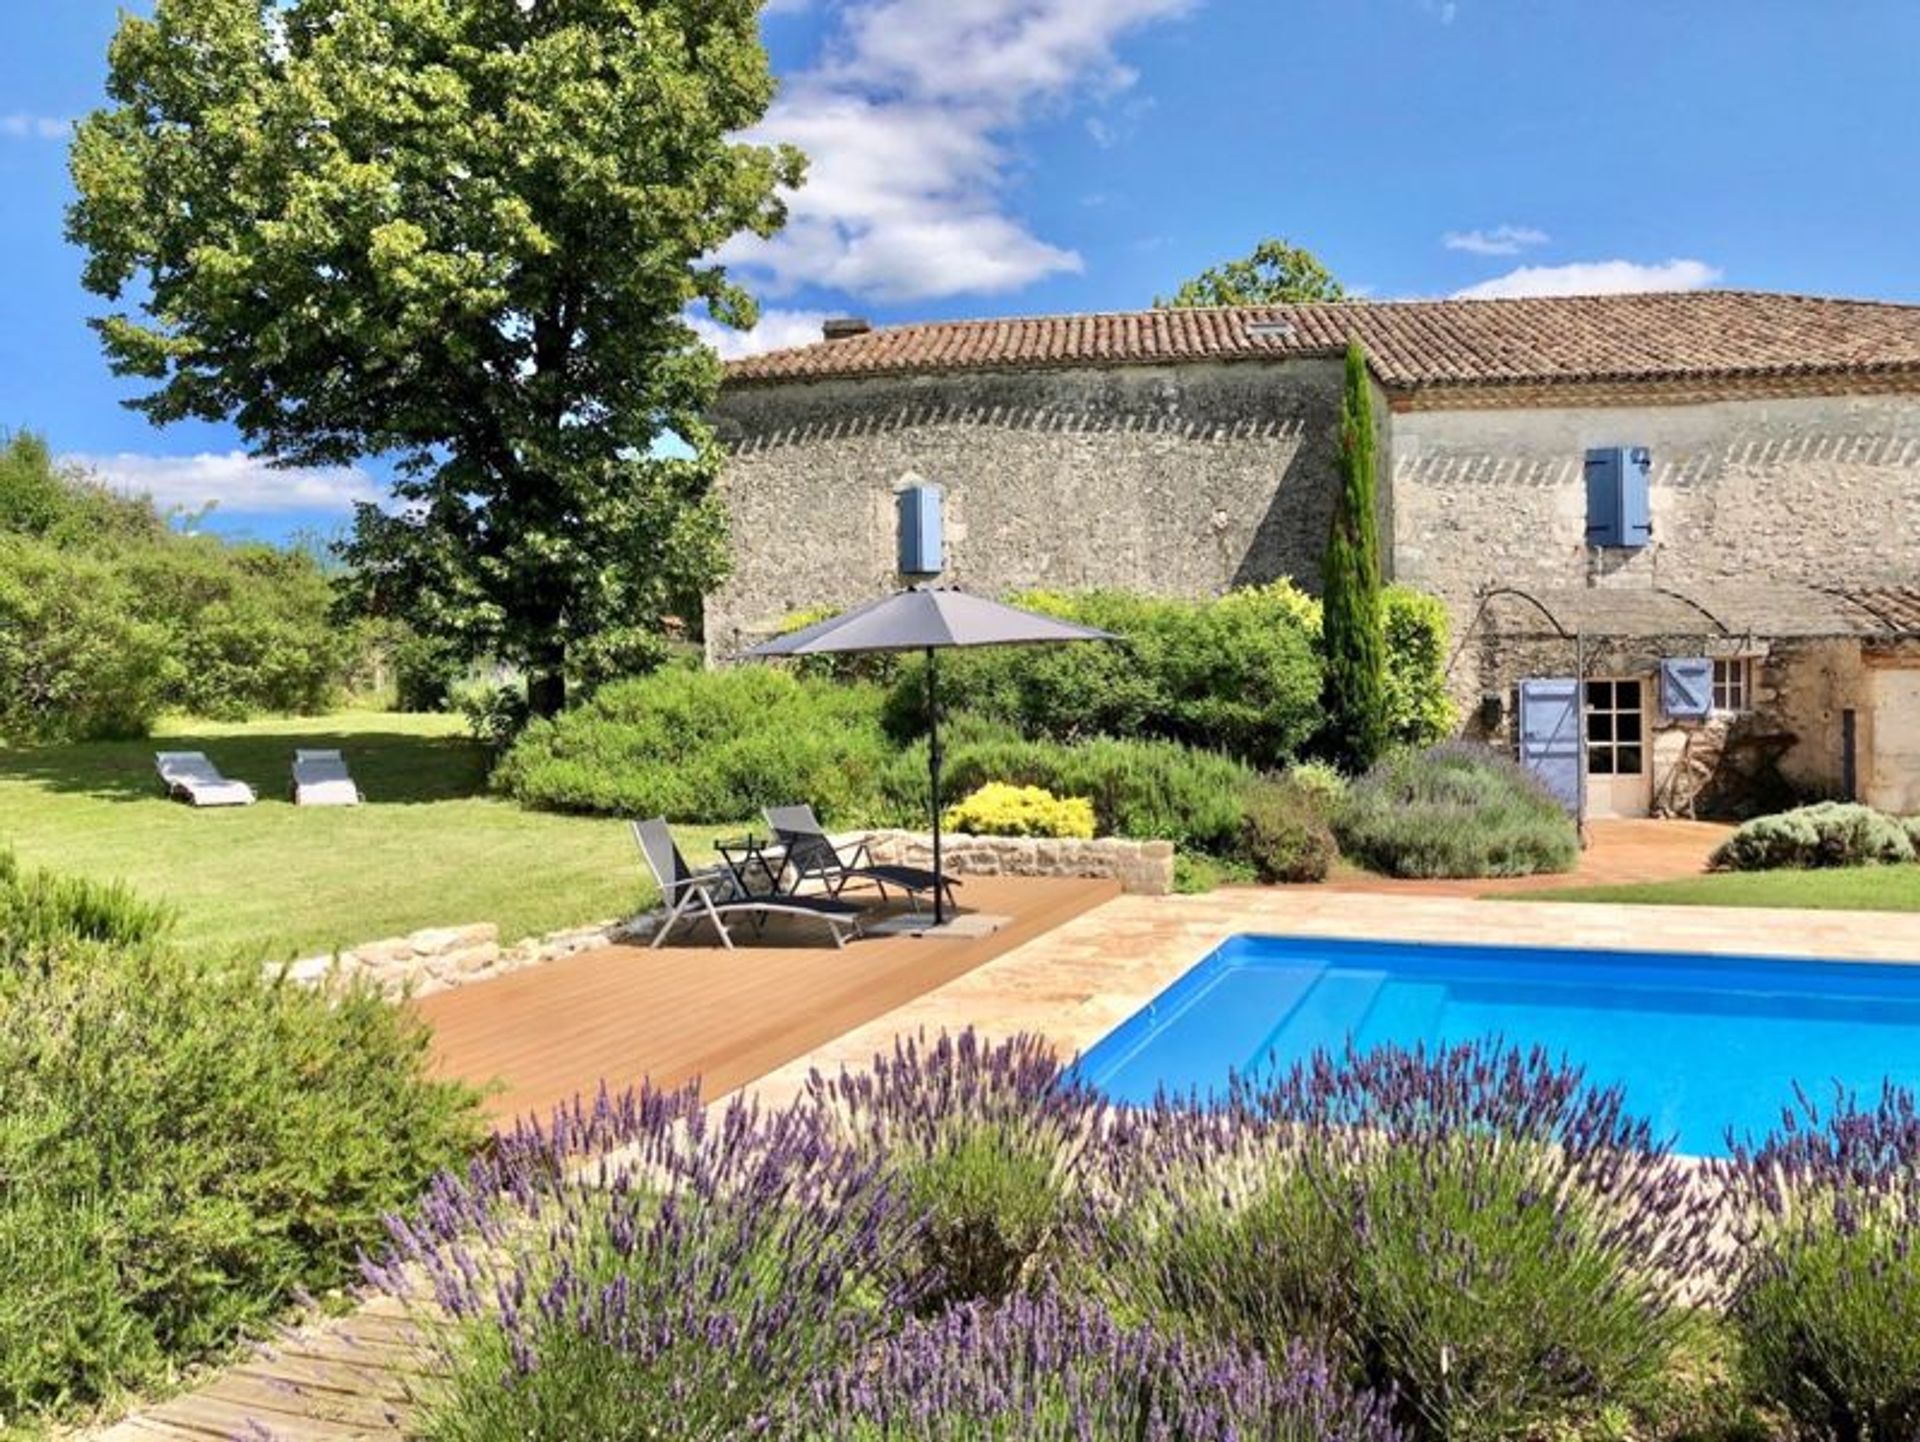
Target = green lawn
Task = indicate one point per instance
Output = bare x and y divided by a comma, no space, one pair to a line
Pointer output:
1860,888
429,848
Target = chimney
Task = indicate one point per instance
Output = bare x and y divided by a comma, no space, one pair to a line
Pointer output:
845,327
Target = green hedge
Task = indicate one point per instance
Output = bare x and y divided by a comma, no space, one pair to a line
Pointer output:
109,616
1455,810
184,1145
1240,674
1148,790
696,745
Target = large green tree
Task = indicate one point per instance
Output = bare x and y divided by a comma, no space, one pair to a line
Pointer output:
1275,274
462,235
1355,611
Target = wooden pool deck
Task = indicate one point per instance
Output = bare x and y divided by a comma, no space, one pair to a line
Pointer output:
694,1011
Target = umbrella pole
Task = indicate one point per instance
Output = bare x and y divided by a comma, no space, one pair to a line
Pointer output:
933,770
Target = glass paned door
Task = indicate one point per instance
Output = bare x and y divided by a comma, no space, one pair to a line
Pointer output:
1619,768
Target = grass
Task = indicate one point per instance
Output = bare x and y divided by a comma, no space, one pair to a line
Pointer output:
1857,888
429,848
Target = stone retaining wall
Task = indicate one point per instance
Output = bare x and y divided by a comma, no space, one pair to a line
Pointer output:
1142,867
448,956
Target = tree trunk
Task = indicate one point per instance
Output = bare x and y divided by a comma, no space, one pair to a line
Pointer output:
547,690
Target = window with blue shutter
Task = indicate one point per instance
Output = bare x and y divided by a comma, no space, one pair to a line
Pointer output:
921,539
1686,688
1619,507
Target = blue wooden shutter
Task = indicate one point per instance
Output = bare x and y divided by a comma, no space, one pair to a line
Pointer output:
1619,504
1550,735
1686,687
1636,505
921,539
1603,496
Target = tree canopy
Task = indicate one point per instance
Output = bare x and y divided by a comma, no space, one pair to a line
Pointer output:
1275,274
461,235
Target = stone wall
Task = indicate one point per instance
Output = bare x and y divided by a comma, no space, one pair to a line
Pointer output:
1817,491
1184,480
1787,748
448,956
1144,868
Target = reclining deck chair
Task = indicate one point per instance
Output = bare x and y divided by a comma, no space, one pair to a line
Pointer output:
188,776
713,894
321,778
815,858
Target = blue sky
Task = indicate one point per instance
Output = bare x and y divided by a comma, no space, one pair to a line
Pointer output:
978,157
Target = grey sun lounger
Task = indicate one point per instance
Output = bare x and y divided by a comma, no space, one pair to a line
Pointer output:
712,895
321,778
812,856
188,776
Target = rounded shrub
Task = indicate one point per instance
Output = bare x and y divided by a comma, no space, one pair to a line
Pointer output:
998,809
1473,1232
1284,835
186,1146
1455,810
1146,790
1828,833
695,745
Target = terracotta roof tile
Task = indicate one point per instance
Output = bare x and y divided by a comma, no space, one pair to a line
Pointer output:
1677,336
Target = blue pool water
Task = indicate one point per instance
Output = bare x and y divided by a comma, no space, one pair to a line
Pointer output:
1699,1043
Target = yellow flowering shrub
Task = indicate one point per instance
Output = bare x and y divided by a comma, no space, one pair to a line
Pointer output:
998,809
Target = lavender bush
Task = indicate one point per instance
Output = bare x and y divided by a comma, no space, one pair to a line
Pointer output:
679,1287
1040,1370
1475,1230
1827,1298
989,1148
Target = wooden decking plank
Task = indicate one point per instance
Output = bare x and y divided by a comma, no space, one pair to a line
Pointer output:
221,1418
277,1396
697,1012
329,1375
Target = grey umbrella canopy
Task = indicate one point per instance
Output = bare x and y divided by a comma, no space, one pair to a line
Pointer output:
930,620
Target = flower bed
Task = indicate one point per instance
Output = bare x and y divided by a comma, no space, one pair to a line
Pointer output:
962,1244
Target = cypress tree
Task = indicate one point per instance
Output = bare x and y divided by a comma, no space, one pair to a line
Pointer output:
1356,641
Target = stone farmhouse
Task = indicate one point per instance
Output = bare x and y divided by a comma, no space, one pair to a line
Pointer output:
1689,521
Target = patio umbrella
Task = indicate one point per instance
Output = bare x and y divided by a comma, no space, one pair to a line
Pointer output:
929,619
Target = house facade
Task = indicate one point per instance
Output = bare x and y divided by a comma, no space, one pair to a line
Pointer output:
1678,535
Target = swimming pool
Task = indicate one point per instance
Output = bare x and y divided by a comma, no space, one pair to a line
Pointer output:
1699,1043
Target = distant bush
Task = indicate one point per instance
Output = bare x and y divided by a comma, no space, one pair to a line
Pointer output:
1455,810
496,709
1419,712
78,659
1236,675
1322,783
1827,1298
1828,833
109,616
1285,835
697,745
185,1146
1147,790
998,809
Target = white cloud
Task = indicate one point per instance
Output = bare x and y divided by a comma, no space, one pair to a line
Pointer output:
1594,277
236,482
907,120
776,330
1500,240
35,127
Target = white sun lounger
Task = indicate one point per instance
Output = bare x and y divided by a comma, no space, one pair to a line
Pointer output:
190,777
320,778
